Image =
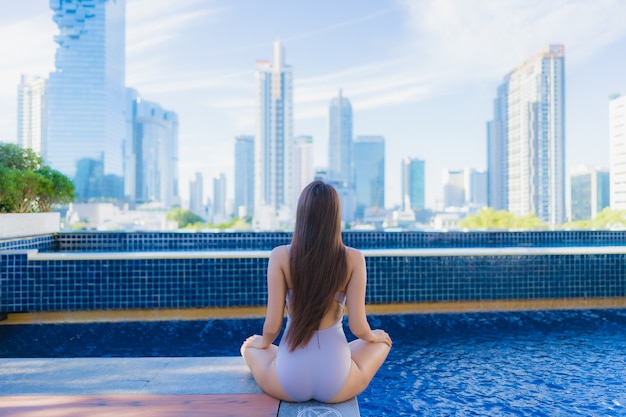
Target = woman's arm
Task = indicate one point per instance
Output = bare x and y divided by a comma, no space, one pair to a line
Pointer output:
355,299
276,291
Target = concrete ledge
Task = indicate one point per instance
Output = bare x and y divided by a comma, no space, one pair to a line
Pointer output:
146,376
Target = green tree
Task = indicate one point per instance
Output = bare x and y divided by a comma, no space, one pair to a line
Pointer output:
55,188
488,218
183,217
27,184
606,219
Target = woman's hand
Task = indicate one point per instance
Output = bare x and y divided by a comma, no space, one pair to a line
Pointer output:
255,341
381,336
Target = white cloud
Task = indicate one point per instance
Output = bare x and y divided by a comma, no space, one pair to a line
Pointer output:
484,39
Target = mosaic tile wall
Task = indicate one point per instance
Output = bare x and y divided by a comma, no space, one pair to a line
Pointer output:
181,241
45,285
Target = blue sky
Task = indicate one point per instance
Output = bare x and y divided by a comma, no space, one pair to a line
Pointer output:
421,73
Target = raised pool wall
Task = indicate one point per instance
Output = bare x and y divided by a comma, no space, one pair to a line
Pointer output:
159,270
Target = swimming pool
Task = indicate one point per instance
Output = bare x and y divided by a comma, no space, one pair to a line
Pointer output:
535,363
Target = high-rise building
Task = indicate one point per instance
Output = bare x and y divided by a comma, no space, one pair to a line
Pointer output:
244,176
151,152
617,135
196,195
32,114
86,96
413,180
589,192
274,132
454,188
340,141
497,150
477,188
303,171
219,199
369,173
530,104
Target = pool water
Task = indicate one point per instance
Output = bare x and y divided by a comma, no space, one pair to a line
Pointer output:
538,363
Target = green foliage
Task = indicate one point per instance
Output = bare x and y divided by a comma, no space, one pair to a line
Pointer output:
27,184
606,219
183,217
488,218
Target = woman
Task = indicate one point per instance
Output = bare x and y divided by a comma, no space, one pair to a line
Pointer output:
314,277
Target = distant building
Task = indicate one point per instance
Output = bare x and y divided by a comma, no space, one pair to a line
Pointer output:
340,172
454,182
340,140
497,152
244,176
617,135
196,196
151,152
32,114
302,162
274,132
369,174
86,96
477,188
413,184
219,199
526,139
589,192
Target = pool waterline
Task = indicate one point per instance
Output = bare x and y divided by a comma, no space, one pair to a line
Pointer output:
259,312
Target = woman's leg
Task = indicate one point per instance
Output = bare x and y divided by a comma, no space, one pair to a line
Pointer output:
367,358
262,364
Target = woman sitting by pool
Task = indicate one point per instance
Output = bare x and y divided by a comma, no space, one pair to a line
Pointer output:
315,276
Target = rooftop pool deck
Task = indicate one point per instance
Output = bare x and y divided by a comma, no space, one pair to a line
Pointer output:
126,276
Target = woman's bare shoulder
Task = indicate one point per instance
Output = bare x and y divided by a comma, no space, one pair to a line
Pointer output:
354,256
280,252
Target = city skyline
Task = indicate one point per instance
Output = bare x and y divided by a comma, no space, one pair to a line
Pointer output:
419,86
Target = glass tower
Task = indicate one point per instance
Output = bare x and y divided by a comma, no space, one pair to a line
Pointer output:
413,179
531,104
274,132
244,176
589,192
86,96
151,154
303,171
340,141
369,173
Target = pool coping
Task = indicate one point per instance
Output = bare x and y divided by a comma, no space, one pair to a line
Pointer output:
35,255
155,376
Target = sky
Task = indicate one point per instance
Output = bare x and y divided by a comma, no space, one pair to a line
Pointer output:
421,73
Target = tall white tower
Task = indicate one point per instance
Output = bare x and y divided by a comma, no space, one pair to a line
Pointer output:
31,114
533,136
274,132
617,133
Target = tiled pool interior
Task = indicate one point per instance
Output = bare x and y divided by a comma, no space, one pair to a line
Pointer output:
83,271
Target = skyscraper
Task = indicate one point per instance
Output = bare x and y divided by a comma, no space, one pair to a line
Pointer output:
151,152
31,114
274,133
617,135
303,172
219,199
340,141
589,188
244,176
454,188
196,195
369,173
413,180
531,105
86,96
497,159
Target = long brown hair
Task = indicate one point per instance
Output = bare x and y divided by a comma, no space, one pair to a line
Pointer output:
317,260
